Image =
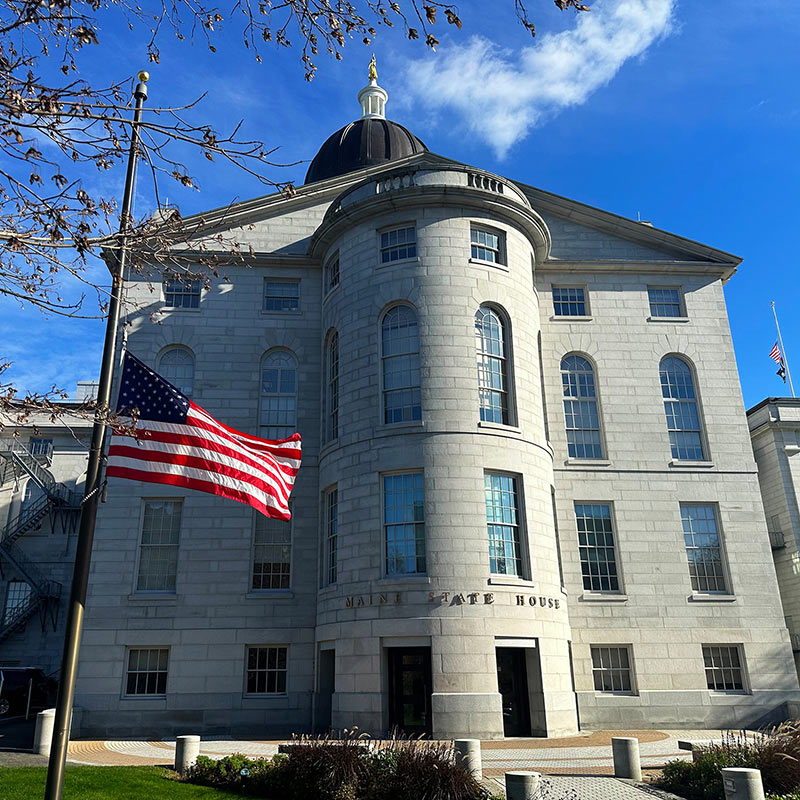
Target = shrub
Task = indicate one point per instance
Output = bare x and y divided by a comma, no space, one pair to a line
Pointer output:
775,752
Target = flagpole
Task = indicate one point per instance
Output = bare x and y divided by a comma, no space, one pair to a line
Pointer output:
783,349
83,550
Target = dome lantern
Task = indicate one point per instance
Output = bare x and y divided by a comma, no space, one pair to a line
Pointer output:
373,97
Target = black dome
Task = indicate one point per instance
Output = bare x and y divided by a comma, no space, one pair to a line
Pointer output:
363,143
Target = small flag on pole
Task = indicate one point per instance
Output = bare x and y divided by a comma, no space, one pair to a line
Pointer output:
776,355
178,443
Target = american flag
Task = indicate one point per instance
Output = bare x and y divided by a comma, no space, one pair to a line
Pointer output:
776,355
178,443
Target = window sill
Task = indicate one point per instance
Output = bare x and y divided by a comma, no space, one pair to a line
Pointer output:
138,698
331,292
615,694
414,260
493,264
587,462
266,696
403,581
144,597
603,597
181,309
498,427
691,464
568,318
329,447
668,319
266,313
508,580
270,594
711,598
391,427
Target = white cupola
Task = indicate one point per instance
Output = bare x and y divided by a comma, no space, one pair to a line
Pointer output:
372,97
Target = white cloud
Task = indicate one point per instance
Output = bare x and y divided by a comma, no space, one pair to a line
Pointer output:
500,94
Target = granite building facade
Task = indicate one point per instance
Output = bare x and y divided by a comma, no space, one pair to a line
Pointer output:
527,501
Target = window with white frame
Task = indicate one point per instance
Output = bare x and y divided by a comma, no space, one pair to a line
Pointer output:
398,244
570,301
281,295
723,666
581,414
503,524
611,669
18,594
400,360
404,523
331,518
158,551
596,547
703,548
665,301
680,407
272,553
40,447
332,273
332,387
176,365
487,245
147,671
278,417
493,378
181,293
267,667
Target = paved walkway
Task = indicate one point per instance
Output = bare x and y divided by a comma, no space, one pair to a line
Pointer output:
577,767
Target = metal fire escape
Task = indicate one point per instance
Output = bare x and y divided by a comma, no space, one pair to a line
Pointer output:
58,503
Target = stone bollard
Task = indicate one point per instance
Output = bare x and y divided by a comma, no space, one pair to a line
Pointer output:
522,785
43,733
469,752
742,784
187,748
626,757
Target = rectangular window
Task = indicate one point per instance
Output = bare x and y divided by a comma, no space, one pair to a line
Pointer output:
147,671
569,301
502,521
281,295
701,537
272,553
723,666
40,447
266,669
404,523
611,669
596,547
665,301
487,245
158,553
18,594
179,293
331,500
332,274
398,244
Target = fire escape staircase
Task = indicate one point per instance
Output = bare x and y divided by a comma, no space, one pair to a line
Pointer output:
57,502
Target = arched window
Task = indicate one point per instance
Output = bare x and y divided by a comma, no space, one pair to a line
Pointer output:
278,395
580,408
490,343
400,357
332,387
176,365
680,406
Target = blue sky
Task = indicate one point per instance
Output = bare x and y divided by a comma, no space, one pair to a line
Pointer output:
687,113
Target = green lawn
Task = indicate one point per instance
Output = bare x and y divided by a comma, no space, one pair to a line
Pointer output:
104,783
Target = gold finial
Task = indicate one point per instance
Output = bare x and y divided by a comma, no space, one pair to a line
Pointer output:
373,70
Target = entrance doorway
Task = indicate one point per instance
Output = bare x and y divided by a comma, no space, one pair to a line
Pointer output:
410,688
512,683
326,686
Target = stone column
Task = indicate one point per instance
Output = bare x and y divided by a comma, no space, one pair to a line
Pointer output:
626,757
43,733
468,751
522,785
187,748
742,784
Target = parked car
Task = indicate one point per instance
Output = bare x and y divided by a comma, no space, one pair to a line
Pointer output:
17,682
